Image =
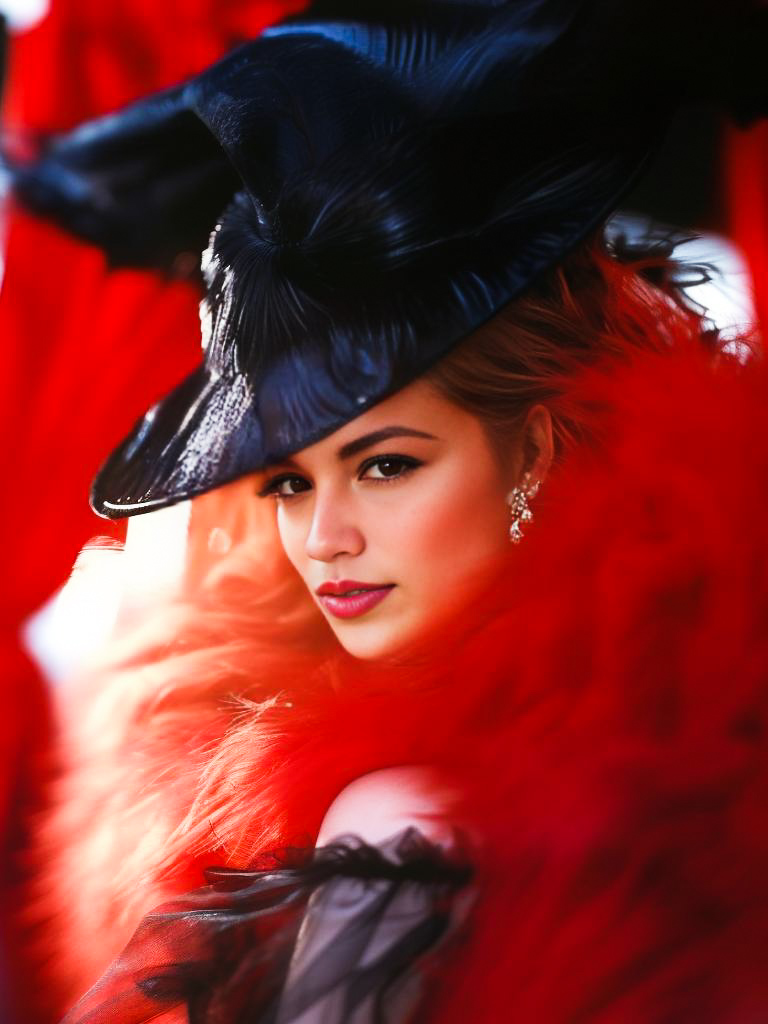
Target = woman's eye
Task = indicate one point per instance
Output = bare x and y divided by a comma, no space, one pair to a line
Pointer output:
387,467
284,487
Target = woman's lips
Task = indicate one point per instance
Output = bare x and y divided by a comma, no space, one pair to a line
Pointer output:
348,599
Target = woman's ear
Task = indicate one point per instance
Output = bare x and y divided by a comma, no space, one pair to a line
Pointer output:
538,444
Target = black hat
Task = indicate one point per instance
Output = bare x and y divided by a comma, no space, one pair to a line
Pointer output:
389,180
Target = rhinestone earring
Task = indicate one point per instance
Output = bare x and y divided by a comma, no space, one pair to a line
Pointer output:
519,508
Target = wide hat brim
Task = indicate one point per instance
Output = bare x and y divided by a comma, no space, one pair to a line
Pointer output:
213,429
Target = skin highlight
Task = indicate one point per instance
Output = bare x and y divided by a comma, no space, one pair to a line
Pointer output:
411,495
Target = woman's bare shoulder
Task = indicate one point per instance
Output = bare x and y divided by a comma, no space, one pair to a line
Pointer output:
383,803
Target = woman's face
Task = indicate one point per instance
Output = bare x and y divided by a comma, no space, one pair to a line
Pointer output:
394,517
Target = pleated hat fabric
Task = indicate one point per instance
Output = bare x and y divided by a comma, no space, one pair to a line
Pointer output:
376,186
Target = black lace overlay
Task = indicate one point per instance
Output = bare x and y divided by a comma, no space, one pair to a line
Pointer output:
336,936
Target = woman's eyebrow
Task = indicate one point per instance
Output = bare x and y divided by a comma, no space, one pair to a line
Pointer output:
355,447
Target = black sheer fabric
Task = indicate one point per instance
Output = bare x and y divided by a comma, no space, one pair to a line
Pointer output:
338,937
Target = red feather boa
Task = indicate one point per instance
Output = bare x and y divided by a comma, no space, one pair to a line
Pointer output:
604,728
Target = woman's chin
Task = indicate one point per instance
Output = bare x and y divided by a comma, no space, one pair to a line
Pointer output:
383,634
375,640
400,637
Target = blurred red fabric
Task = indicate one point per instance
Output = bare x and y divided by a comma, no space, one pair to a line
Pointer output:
85,351
746,175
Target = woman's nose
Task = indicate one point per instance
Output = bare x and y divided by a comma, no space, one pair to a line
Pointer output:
333,531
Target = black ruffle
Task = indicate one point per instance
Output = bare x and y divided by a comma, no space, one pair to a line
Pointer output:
339,934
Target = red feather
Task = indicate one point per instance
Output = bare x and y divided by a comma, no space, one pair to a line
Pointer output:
605,728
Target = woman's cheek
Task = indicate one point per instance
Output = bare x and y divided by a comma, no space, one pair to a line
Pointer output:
465,526
442,520
415,534
293,538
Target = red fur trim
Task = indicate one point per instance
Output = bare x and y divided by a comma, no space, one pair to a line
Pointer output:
621,788
605,727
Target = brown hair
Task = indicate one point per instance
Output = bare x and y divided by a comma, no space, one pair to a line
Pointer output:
591,306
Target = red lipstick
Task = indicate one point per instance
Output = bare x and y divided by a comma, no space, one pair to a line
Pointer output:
347,599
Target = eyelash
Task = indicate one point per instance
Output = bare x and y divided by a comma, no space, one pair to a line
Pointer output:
270,490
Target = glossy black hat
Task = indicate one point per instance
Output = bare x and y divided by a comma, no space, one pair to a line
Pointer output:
389,180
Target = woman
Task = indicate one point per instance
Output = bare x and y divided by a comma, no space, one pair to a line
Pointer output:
401,333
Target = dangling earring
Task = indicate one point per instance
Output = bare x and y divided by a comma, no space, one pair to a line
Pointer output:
519,509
